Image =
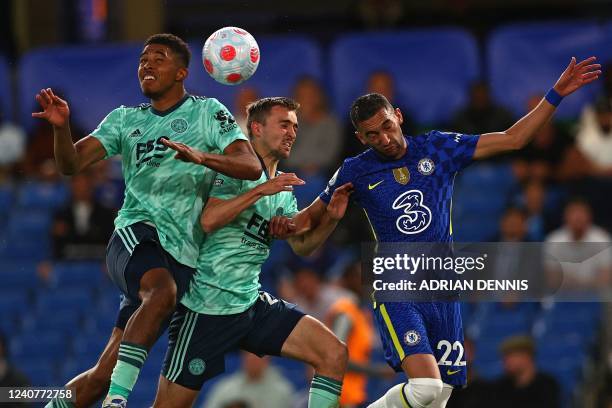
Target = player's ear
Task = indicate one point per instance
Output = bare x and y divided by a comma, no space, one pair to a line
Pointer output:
398,114
360,137
256,129
181,74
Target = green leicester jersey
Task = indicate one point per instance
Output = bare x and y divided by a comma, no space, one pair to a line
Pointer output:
227,278
159,188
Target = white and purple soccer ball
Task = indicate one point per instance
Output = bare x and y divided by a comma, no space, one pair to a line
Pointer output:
230,55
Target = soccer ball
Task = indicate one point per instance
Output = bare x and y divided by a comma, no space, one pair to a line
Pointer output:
230,55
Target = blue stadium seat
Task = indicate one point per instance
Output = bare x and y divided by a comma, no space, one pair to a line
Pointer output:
47,346
283,60
526,59
18,276
6,99
29,223
432,69
292,370
43,196
41,373
7,197
78,300
94,79
73,274
68,322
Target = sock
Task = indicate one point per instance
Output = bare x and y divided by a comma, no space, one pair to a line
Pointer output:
324,392
59,403
394,398
129,362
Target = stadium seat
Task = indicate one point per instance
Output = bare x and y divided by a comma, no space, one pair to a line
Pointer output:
69,322
526,59
41,373
7,196
47,346
283,61
94,80
432,68
42,196
74,274
63,300
17,276
29,223
6,99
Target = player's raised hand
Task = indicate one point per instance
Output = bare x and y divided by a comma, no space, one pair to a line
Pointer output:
185,153
281,227
284,182
339,201
55,109
576,75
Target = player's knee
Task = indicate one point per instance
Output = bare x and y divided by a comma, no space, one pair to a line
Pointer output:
335,356
162,300
424,391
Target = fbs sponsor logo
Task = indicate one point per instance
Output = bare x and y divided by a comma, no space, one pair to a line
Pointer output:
148,151
256,233
226,121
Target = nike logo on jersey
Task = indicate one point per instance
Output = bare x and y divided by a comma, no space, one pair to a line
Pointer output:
373,186
449,372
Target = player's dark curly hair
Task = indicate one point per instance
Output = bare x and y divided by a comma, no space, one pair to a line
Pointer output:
366,106
176,44
259,110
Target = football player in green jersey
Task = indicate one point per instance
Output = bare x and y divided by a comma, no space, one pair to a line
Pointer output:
223,309
152,254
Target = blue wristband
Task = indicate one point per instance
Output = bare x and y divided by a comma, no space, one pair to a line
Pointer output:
553,97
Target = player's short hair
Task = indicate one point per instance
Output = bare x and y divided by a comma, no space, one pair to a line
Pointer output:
366,106
259,110
176,44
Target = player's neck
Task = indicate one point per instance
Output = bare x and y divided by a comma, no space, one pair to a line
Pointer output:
268,158
270,163
169,99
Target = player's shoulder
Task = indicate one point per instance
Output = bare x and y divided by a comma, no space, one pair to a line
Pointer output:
135,108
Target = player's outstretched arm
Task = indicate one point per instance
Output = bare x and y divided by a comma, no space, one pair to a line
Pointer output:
217,213
575,76
237,161
70,158
312,226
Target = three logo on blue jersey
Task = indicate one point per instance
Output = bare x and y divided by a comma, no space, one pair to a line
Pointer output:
416,216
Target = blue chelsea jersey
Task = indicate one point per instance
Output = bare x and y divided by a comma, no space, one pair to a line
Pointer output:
409,199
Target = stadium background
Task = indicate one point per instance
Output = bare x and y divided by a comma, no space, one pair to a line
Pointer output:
56,305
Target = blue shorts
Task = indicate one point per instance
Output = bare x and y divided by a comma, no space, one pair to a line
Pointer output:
408,328
198,342
131,252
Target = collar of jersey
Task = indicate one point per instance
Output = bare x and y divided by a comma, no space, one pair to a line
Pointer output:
172,108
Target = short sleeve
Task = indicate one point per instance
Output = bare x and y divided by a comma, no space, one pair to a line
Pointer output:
222,127
109,132
225,187
290,207
339,178
456,149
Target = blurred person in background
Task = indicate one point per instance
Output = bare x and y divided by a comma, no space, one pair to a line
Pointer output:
533,200
245,95
10,376
589,264
482,114
320,143
313,294
594,136
522,385
547,157
83,227
12,147
351,321
257,384
478,393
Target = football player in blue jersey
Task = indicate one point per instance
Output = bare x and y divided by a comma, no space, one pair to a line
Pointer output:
405,186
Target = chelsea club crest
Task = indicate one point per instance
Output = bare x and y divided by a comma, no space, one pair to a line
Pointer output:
426,166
